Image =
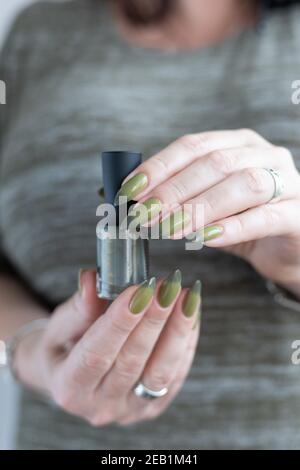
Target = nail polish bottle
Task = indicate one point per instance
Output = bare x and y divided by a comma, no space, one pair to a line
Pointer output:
121,261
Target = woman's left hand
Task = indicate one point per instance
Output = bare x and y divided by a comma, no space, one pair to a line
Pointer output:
226,173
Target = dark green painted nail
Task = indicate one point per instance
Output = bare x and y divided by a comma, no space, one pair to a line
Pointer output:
145,211
211,232
132,187
172,224
169,289
143,296
192,300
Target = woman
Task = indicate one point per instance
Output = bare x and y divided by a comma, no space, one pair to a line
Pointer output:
86,75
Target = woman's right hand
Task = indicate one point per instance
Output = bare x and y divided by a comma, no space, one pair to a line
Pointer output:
92,355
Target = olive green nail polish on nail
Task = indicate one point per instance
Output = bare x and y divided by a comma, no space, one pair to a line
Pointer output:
211,232
132,187
172,224
143,296
149,209
198,319
169,289
192,301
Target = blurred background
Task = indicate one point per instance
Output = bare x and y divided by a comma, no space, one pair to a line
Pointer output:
8,11
8,391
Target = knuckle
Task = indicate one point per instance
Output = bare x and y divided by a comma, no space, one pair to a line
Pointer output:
158,164
271,216
159,379
180,330
175,190
162,194
223,161
94,361
192,142
121,328
255,180
154,322
239,226
128,364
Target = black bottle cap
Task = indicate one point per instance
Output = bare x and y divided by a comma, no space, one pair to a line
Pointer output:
116,166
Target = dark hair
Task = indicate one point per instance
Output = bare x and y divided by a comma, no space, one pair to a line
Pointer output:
145,12
150,11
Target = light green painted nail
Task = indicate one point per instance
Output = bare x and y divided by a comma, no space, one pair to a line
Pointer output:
143,296
132,187
169,289
211,232
193,300
172,224
198,319
145,211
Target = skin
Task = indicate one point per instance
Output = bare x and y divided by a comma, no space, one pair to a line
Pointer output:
224,172
108,353
88,362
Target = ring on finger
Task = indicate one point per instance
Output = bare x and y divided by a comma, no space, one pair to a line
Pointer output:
142,391
279,185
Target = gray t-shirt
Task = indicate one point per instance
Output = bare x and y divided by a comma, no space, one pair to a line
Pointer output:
74,89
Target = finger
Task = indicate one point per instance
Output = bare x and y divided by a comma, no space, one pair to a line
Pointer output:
268,220
144,409
133,356
167,354
74,317
240,191
181,376
211,169
97,350
187,149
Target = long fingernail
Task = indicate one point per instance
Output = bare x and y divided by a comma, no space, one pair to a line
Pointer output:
211,232
198,319
172,224
149,209
192,300
132,187
143,296
80,286
169,289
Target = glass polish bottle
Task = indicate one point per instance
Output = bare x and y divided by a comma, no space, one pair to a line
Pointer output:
121,259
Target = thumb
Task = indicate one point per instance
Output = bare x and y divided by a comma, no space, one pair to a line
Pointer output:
73,318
